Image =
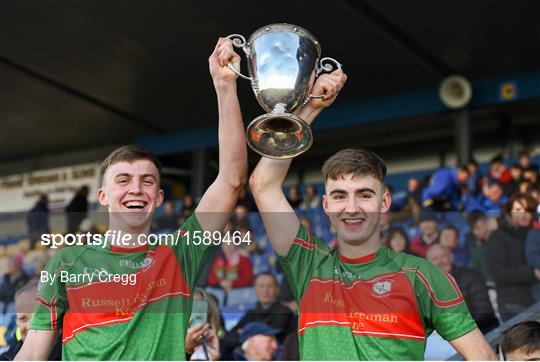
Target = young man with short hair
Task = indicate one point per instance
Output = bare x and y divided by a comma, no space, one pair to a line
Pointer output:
145,320
361,301
521,342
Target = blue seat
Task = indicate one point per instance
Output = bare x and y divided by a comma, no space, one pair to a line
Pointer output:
231,316
218,293
256,223
244,298
260,263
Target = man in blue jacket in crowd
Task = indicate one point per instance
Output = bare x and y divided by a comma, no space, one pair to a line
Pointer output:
444,190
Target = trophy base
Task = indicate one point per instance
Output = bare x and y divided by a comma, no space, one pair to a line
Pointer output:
279,135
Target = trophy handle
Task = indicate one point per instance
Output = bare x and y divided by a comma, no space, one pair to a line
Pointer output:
330,66
239,42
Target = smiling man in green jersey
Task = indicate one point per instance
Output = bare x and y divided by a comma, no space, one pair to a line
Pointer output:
361,301
146,317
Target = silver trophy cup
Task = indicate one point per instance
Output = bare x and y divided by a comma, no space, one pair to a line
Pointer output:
283,62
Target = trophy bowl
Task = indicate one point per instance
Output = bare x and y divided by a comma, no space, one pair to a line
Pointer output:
283,63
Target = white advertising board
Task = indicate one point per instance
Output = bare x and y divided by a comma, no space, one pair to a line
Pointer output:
20,192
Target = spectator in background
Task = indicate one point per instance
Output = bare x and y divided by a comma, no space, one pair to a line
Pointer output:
499,171
473,182
247,200
311,199
516,173
450,239
211,330
398,241
471,284
239,219
524,159
530,175
535,193
262,259
286,296
521,342
77,209
230,269
476,245
38,219
429,234
532,251
12,281
490,202
411,208
505,256
385,225
188,206
258,343
444,190
293,196
268,310
169,220
24,304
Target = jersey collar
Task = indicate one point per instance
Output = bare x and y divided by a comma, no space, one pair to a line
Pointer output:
361,260
121,249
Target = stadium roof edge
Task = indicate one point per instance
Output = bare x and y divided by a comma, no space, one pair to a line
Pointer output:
486,92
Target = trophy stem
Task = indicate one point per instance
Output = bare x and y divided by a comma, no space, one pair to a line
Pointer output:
279,135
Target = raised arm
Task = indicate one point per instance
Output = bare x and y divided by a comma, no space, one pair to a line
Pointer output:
474,347
221,197
266,182
37,346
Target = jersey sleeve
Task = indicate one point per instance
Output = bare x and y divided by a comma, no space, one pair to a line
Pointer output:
51,300
442,305
299,263
192,249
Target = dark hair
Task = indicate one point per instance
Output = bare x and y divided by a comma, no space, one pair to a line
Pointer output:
129,153
453,228
497,159
524,335
532,168
266,274
529,205
358,162
524,153
476,216
463,168
516,165
397,230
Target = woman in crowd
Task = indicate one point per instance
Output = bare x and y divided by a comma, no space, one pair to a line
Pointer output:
398,241
202,341
505,253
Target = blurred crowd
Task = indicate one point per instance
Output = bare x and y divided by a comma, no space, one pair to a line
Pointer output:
480,227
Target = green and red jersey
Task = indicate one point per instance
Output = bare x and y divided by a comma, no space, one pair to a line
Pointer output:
379,307
145,318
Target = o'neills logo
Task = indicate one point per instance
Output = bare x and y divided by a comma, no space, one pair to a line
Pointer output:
134,265
381,288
